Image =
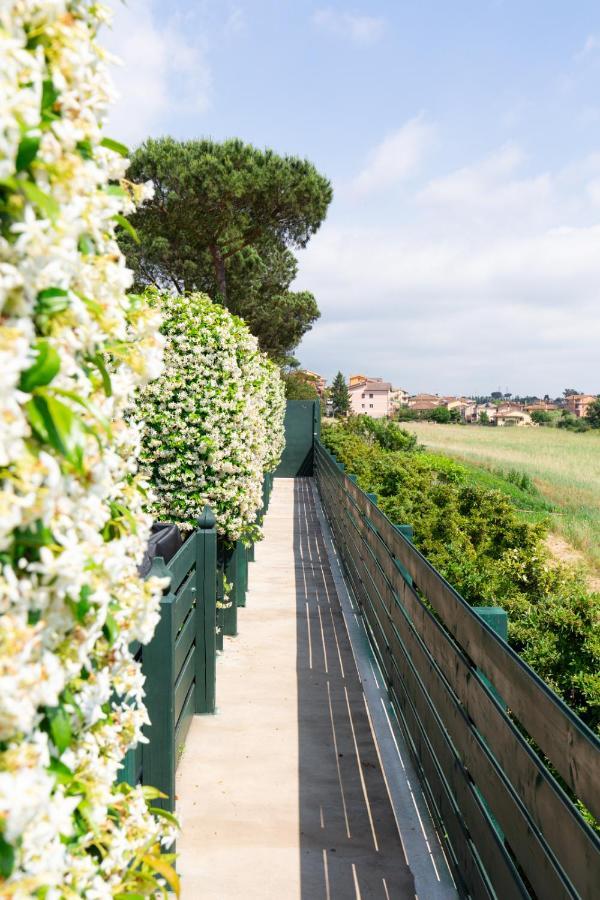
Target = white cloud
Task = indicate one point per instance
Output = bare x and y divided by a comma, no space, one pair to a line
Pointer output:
163,72
542,271
591,46
436,301
358,28
491,186
396,158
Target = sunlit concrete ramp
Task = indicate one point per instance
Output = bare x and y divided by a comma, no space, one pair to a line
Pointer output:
299,786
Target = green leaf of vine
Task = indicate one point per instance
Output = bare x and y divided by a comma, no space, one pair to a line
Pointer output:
43,370
110,629
27,152
44,202
60,728
51,300
7,857
110,144
126,226
56,424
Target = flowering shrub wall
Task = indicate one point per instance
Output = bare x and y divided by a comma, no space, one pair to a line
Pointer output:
214,420
73,348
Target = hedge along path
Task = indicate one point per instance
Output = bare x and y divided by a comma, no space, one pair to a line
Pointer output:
73,349
213,422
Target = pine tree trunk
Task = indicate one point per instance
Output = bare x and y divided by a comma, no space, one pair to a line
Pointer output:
220,276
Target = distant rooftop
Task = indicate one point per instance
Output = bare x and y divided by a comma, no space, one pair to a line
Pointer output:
375,384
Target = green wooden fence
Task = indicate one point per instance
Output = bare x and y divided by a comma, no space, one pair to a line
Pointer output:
179,663
500,756
302,427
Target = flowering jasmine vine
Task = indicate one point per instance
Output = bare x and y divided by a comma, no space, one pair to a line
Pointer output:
73,349
213,422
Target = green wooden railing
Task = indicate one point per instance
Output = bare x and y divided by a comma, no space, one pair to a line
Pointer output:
499,755
179,663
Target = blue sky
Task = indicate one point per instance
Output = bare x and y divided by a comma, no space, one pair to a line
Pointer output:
462,250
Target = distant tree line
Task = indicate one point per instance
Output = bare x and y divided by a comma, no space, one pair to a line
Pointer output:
440,414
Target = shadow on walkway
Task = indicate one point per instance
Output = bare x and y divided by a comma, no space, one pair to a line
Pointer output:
349,841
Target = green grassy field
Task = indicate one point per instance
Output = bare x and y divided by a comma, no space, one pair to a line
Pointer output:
564,467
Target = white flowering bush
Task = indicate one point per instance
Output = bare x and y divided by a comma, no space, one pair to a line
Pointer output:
73,347
213,422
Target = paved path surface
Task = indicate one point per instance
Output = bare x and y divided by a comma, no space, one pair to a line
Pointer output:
282,792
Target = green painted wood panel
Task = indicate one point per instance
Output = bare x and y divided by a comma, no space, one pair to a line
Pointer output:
302,424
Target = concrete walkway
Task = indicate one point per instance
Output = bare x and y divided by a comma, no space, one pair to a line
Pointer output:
283,794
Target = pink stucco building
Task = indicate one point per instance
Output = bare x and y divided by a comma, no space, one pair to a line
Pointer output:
370,396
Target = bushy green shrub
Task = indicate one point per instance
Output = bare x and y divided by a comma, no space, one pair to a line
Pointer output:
382,432
541,417
521,480
213,422
406,414
476,539
572,423
593,414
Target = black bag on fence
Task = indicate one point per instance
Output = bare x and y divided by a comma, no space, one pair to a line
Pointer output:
165,540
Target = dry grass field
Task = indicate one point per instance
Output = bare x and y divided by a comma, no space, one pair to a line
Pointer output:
564,467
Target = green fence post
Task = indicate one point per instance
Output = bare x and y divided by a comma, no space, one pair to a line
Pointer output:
241,571
316,431
220,597
406,531
497,619
372,498
220,592
206,612
231,574
158,664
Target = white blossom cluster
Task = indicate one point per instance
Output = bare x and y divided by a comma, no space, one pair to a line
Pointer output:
213,422
73,348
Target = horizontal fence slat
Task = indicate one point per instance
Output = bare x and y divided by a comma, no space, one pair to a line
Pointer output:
184,600
184,560
184,641
183,682
183,726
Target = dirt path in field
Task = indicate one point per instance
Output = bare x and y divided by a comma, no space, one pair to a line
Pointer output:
563,552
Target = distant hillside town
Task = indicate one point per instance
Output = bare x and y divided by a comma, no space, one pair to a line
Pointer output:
373,396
